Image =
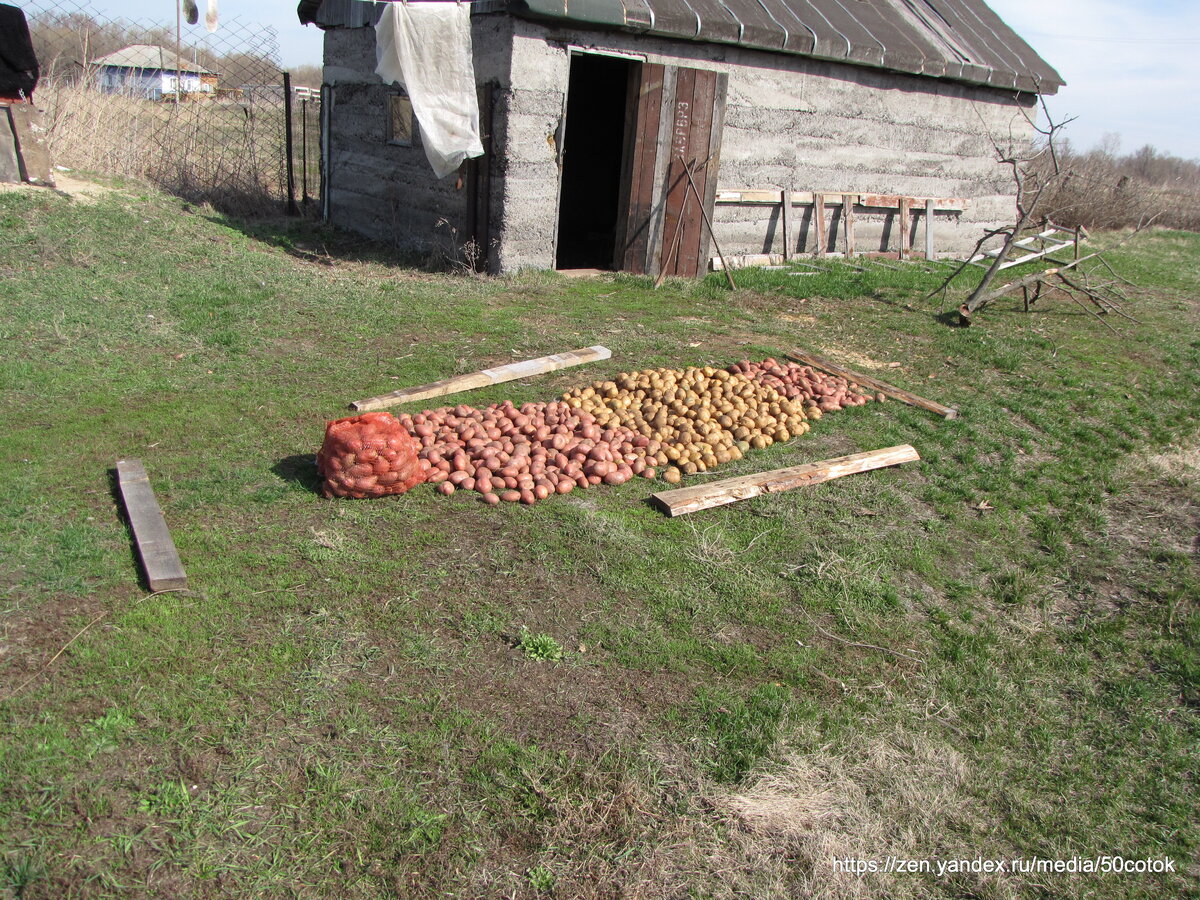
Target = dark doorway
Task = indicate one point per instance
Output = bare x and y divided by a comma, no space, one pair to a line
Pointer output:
593,150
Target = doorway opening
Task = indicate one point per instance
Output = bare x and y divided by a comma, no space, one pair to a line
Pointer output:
594,141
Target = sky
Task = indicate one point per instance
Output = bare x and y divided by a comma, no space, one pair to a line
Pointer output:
1132,67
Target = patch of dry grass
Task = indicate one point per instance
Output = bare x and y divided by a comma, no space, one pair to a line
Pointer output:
901,794
1180,464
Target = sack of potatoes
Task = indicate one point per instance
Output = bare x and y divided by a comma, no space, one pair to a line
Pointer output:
369,456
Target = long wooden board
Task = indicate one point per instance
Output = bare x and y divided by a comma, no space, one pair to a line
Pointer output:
740,197
730,490
33,151
820,362
498,375
160,559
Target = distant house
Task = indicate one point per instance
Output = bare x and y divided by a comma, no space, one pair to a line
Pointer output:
150,71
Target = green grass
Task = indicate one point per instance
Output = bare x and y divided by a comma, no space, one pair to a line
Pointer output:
356,699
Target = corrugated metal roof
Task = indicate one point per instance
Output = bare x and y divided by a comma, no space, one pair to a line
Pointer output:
963,40
148,56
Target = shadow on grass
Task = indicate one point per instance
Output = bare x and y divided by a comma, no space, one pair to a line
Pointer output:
299,469
312,241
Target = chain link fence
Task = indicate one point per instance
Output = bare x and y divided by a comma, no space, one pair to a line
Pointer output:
200,114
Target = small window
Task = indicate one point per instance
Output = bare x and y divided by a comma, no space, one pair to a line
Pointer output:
401,129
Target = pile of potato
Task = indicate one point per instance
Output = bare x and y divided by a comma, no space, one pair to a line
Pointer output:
699,418
813,387
639,423
526,454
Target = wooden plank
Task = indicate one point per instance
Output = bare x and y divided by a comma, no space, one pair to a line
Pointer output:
10,166
1023,244
820,362
703,94
629,149
757,198
747,197
678,194
713,169
498,375
904,215
785,205
892,201
160,559
819,221
745,260
730,490
644,156
33,151
929,229
848,219
660,186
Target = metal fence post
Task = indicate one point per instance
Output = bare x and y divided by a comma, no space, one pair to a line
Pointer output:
287,115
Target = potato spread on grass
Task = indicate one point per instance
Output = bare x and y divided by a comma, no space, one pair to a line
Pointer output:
675,421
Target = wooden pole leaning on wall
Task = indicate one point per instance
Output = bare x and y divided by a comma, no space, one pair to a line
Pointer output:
485,377
904,216
819,219
708,222
785,212
673,248
730,490
820,362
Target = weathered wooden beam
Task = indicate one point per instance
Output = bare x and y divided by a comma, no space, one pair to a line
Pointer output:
819,221
160,559
929,229
904,215
835,198
892,201
498,375
785,209
848,223
33,148
730,490
820,362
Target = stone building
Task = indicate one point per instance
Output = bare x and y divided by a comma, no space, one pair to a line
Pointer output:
877,120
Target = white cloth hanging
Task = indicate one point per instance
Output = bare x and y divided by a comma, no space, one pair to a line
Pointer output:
426,49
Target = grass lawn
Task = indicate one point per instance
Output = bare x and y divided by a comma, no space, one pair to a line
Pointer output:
993,653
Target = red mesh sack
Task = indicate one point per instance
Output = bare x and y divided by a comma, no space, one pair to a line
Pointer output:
369,456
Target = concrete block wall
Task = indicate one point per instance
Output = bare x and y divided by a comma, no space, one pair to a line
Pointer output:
383,190
789,122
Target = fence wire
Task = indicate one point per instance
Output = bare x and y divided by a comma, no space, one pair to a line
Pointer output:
201,115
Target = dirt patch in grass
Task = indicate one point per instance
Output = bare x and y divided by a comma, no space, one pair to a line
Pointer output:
33,635
900,794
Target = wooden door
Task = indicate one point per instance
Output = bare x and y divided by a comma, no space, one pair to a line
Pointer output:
677,115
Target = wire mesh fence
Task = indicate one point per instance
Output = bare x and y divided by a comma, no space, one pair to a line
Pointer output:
200,114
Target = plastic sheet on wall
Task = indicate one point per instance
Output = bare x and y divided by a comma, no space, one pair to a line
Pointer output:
426,49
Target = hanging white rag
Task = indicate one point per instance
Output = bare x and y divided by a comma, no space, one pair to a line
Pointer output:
426,49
